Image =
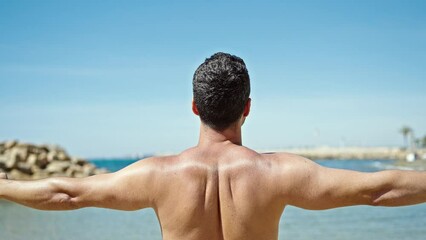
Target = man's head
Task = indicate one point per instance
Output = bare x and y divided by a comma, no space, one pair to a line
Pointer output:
221,88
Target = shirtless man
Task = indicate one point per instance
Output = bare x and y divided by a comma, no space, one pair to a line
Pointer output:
220,189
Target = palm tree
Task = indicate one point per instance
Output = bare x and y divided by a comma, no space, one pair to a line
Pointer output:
405,131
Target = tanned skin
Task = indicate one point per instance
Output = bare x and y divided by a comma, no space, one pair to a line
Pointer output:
220,189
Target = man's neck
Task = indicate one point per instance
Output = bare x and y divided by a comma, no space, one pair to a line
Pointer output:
209,136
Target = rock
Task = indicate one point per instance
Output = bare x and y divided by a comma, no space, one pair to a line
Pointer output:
28,161
58,174
32,159
57,155
58,167
78,161
9,162
32,149
22,145
20,154
73,169
100,171
52,156
2,165
10,144
41,161
79,175
55,148
15,174
44,148
89,169
62,156
40,175
24,168
3,158
35,169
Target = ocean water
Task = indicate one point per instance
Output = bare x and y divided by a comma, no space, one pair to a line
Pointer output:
350,223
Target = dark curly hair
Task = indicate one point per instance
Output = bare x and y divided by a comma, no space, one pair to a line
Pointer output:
221,88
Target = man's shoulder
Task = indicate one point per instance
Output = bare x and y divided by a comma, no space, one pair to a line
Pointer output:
157,161
149,164
273,159
286,163
283,157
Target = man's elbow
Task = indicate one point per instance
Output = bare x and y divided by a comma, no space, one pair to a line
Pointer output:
63,201
382,190
61,197
390,198
375,202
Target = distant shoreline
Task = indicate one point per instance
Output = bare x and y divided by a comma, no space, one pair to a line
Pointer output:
354,153
316,153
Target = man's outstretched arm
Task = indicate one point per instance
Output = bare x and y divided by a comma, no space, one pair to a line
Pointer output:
311,186
127,189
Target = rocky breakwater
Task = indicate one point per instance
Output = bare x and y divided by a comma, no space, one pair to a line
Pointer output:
28,161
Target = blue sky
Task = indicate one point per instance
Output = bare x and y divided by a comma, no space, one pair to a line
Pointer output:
110,78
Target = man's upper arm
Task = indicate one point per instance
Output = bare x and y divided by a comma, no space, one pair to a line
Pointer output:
308,185
128,189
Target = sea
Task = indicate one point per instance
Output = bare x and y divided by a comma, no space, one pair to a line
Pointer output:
349,223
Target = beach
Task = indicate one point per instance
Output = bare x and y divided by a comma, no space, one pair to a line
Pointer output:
360,153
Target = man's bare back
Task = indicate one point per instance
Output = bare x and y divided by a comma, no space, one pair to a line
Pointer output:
224,192
219,189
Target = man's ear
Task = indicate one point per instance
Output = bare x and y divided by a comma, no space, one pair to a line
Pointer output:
247,108
194,108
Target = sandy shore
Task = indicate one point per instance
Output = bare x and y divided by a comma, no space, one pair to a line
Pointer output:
352,152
